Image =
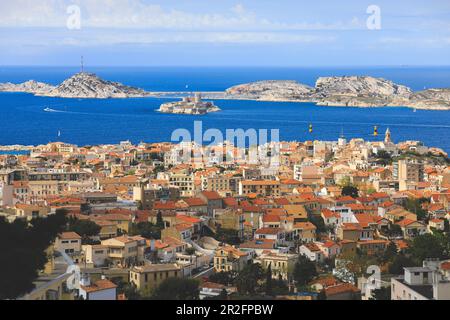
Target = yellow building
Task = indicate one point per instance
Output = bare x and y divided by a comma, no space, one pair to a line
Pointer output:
297,211
231,219
305,231
31,211
68,242
149,277
228,258
349,231
108,229
122,221
260,187
124,251
281,264
43,188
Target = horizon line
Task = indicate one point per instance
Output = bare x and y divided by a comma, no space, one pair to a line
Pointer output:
232,66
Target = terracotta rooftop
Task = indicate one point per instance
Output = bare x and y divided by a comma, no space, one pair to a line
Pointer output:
69,235
99,285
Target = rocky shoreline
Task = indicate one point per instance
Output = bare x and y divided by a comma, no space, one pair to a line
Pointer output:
346,91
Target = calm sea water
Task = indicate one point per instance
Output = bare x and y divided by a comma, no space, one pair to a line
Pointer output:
90,121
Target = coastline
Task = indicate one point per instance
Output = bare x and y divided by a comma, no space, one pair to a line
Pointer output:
221,95
213,95
337,91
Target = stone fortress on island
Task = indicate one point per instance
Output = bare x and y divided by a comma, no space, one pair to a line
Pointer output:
189,105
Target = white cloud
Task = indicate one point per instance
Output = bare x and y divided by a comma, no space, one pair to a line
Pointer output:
138,14
102,37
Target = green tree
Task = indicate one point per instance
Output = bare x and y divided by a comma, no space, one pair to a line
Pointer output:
399,262
318,222
304,271
85,228
279,287
446,226
225,278
23,246
350,190
390,252
159,220
248,280
394,230
444,239
415,206
269,281
229,236
158,169
145,229
128,289
177,289
383,158
427,246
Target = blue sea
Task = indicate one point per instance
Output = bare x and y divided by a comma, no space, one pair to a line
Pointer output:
90,121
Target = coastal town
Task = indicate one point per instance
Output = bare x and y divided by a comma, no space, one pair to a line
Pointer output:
335,220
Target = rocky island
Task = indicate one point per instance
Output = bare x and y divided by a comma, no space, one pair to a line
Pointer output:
349,91
271,90
189,105
80,85
30,86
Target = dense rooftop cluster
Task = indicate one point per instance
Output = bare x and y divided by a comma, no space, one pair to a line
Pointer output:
139,219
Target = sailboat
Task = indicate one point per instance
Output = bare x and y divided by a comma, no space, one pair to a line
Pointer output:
59,133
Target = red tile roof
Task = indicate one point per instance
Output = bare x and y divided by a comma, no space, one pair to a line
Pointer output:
268,231
99,285
192,202
69,235
340,288
211,195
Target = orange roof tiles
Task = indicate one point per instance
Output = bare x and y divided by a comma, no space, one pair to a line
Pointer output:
69,235
211,195
340,288
99,285
268,231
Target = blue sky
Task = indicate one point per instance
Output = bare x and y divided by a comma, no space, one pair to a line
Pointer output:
224,33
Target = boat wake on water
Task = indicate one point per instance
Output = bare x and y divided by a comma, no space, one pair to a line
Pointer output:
51,110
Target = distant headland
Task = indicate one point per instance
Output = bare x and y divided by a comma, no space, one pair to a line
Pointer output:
349,91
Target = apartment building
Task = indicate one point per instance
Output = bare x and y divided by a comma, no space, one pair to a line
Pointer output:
124,250
228,258
148,277
429,282
269,188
